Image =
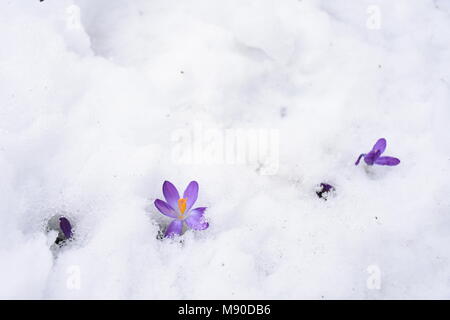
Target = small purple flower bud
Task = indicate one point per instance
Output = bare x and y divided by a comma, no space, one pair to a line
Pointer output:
66,227
324,190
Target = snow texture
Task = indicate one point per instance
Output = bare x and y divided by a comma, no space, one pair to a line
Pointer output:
102,101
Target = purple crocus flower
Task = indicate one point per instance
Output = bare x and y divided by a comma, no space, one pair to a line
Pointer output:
374,156
324,190
66,227
180,209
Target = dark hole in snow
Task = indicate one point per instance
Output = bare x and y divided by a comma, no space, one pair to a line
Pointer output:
160,234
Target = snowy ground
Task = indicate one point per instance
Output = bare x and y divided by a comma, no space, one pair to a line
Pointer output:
101,101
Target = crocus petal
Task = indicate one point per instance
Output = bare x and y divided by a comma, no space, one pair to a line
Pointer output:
380,145
191,194
326,187
165,208
387,161
195,220
325,190
359,158
371,157
171,194
174,228
66,227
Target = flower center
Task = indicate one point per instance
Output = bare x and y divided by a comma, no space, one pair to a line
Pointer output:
182,205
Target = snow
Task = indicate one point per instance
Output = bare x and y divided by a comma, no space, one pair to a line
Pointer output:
101,101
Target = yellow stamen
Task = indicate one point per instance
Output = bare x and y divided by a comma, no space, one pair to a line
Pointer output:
182,205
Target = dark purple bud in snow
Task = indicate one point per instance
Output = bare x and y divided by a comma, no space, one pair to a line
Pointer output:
324,190
374,156
66,227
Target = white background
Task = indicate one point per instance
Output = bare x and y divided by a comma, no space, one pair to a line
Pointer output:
92,92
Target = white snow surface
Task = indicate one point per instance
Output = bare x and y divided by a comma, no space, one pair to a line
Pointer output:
94,93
